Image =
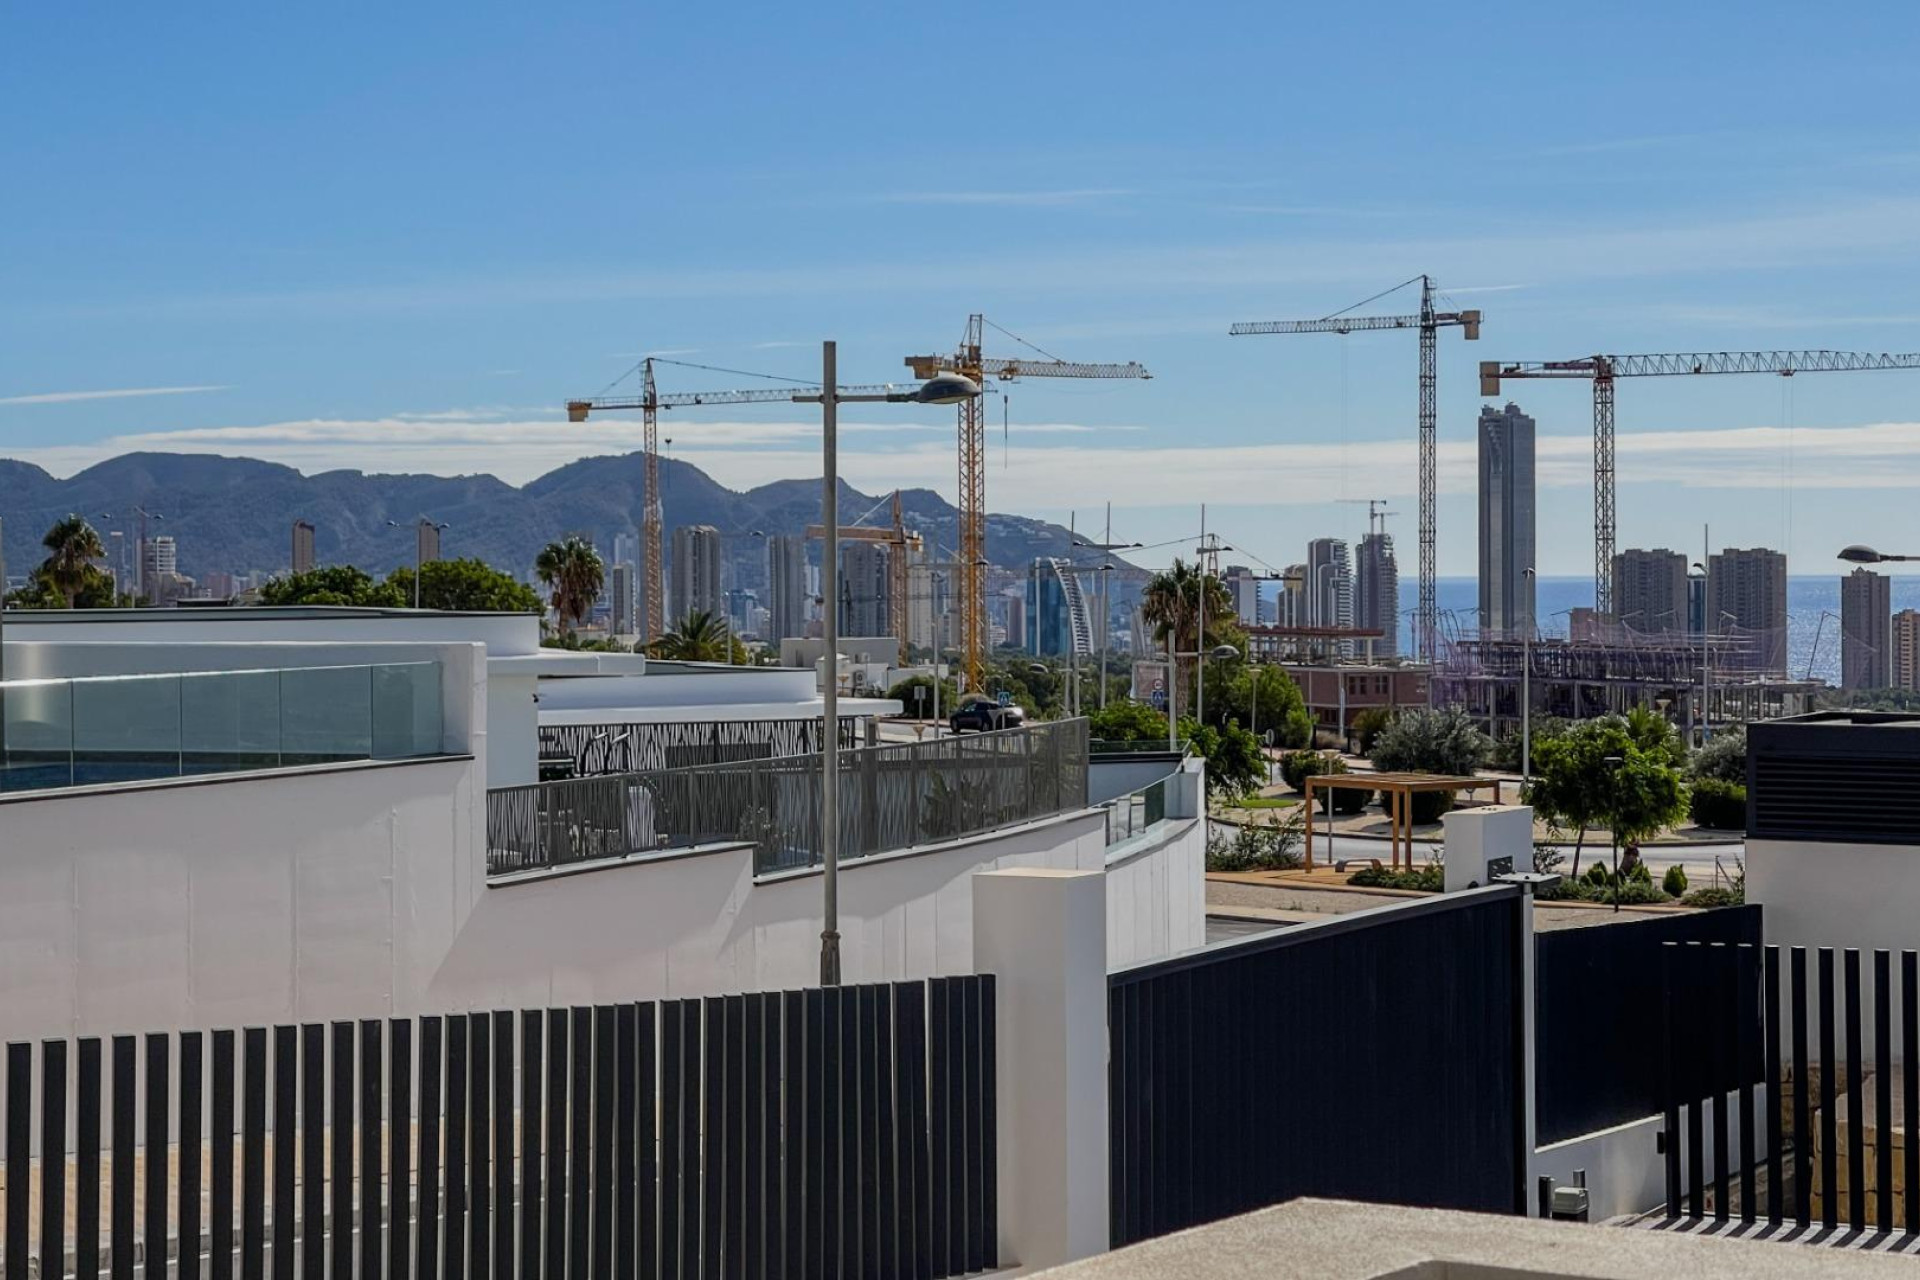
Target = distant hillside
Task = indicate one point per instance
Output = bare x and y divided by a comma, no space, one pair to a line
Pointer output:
234,514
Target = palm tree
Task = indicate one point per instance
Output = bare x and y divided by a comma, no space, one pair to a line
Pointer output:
74,546
573,572
699,637
1171,603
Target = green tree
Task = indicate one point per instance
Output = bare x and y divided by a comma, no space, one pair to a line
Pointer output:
923,703
1262,697
1128,722
339,584
1431,740
94,590
1171,604
1724,758
1596,773
701,636
572,570
1654,733
72,546
1235,764
469,585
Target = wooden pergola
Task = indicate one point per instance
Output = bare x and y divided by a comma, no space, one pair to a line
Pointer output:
1399,789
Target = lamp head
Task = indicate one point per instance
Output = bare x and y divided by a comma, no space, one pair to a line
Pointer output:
947,388
1857,554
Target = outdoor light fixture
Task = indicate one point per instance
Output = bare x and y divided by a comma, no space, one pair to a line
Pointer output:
1857,554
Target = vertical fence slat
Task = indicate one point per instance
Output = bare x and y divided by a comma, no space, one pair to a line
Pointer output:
762,1206
821,1190
286,1097
989,1095
1720,960
253,1163
400,1140
1747,1046
53,1158
626,1077
339,1228
453,1227
313,1148
219,1153
939,1133
1829,1068
887,1243
1670,1020
426,1214
555,1229
1802,1104
372,1129
1776,1168
154,1216
192,1077
533,1153
867,1052
120,1231
1883,1080
733,1228
1910,1055
19,1239
503,1144
788,1264
479,1145
713,1133
579,1138
88,1102
647,1164
844,1083
604,1059
1856,1097
672,1167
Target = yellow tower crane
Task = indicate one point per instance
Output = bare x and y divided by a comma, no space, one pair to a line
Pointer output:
969,362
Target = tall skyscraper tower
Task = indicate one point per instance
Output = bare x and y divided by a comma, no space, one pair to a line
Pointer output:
302,547
1866,629
620,588
866,589
162,557
696,571
1056,610
1376,597
1329,584
427,541
786,588
1244,586
1906,649
1506,520
1650,590
1748,590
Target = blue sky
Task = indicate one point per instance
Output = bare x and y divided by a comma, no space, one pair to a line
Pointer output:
396,238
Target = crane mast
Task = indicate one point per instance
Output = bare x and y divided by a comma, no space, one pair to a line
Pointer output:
969,362
1429,321
1602,370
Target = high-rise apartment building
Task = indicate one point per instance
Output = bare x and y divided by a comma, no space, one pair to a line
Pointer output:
1906,649
1290,606
865,596
1016,608
1650,590
1329,582
1747,600
1506,520
162,556
786,588
1244,586
626,615
1866,627
1376,596
694,584
626,548
1057,621
302,547
426,534
929,601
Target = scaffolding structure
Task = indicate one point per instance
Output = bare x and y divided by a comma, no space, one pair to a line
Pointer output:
1732,675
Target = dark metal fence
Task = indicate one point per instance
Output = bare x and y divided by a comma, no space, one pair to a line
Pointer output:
1810,1132
893,797
845,1131
593,749
1377,1056
1593,1032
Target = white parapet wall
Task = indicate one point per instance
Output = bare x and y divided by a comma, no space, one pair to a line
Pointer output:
1484,838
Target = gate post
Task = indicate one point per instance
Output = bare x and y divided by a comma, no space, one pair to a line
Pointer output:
1043,935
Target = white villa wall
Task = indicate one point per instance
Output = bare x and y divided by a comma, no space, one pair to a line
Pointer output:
1157,894
328,893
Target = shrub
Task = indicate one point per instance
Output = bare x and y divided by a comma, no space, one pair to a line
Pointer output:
1724,758
1424,740
1599,873
1428,806
1268,847
1714,896
1367,726
1717,803
1344,802
1632,892
1675,881
1297,766
1431,878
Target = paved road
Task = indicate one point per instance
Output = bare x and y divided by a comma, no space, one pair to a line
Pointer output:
1697,859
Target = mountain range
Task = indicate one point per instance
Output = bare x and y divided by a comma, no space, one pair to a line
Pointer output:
235,514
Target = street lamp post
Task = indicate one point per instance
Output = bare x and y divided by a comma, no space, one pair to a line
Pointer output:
1526,687
418,558
945,388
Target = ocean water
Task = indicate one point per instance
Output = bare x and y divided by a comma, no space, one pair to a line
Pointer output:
1807,599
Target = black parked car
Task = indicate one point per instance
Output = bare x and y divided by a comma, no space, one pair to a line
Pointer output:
983,715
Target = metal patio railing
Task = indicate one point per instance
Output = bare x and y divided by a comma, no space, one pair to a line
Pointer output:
891,797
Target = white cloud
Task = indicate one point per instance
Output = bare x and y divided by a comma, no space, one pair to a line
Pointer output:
119,393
